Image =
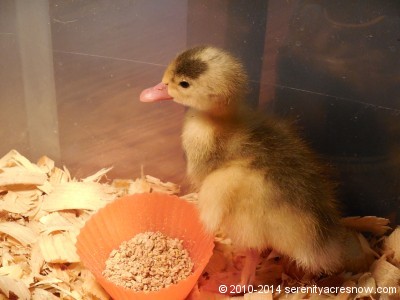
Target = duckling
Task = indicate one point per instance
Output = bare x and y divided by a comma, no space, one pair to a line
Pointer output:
257,180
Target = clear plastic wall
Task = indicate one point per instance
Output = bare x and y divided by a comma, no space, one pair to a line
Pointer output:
71,73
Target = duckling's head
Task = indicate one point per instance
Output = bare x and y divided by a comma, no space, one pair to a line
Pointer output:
204,78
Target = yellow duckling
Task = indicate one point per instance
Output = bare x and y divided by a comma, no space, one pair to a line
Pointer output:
257,180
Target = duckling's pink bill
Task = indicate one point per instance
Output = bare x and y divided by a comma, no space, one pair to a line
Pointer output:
155,93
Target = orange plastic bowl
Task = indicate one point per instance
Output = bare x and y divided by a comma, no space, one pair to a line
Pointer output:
125,217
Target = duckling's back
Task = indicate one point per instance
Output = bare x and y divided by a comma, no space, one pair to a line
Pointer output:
261,184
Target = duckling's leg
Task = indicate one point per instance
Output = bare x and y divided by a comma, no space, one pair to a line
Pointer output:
248,275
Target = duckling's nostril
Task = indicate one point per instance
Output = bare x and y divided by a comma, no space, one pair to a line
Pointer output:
161,86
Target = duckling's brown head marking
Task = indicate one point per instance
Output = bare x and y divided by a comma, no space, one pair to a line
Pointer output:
207,79
188,66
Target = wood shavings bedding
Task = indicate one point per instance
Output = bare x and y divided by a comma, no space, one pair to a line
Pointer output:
42,208
284,280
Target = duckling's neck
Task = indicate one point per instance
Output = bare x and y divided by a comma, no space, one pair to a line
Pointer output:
221,114
202,139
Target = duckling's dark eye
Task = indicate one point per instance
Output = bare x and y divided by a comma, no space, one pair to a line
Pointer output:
184,84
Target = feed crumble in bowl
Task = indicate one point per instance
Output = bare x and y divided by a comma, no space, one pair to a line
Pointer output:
149,261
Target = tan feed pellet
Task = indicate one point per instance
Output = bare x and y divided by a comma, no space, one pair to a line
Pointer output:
148,262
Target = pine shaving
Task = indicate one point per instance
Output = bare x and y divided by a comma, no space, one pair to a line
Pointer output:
40,294
59,247
21,233
158,186
90,286
14,204
97,176
78,195
385,273
392,244
21,176
13,271
367,281
13,158
17,287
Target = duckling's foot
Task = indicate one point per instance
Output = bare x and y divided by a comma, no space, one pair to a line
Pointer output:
248,275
